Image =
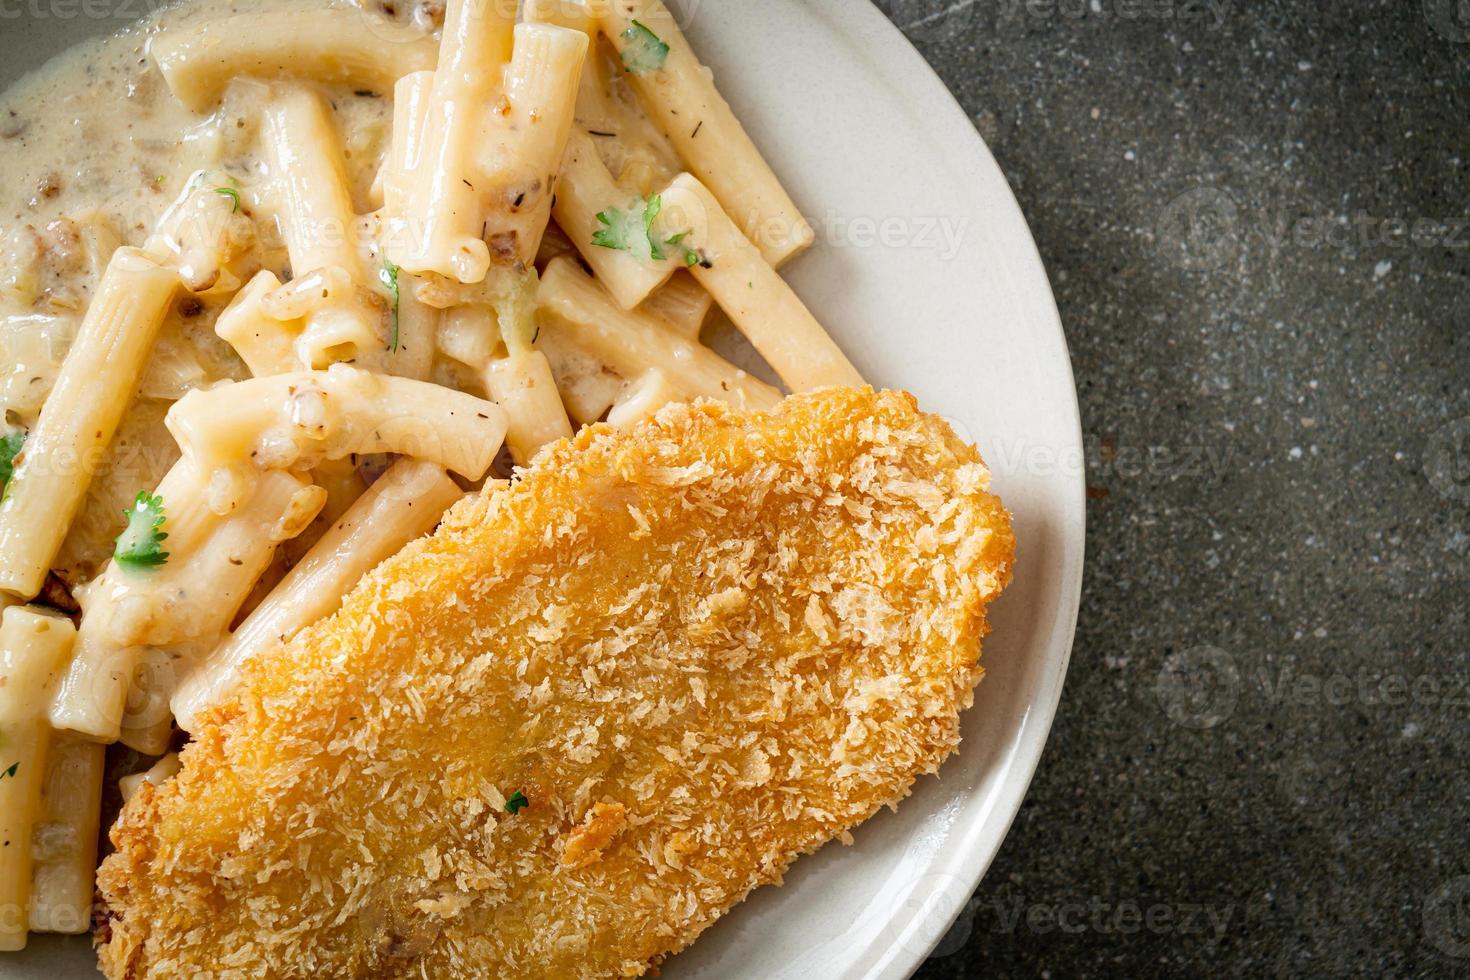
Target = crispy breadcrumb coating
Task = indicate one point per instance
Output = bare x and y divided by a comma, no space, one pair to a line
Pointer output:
697,650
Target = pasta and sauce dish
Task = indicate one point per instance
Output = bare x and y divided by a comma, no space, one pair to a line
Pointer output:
377,523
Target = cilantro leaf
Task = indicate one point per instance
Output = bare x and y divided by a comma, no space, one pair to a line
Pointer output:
517,802
651,210
139,546
9,449
388,276
14,768
643,50
691,256
233,195
631,231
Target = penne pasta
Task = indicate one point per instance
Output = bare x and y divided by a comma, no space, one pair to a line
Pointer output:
416,324
93,390
574,14
410,116
415,327
147,726
343,318
294,421
34,645
588,386
265,344
338,45
468,334
682,304
587,189
680,94
443,204
64,845
202,235
130,613
161,772
527,138
757,300
344,482
406,503
305,155
522,385
631,343
643,398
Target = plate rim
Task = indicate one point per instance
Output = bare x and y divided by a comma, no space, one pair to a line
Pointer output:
866,27
871,35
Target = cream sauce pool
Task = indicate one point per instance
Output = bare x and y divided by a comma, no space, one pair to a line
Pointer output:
94,149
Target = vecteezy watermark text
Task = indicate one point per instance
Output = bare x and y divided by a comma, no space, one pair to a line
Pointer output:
121,10
1200,688
1205,228
1102,916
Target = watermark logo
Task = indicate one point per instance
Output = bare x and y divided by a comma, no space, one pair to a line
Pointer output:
1198,688
1199,230
1447,461
66,10
1205,228
1107,917
943,235
1447,918
1450,19
936,916
1202,687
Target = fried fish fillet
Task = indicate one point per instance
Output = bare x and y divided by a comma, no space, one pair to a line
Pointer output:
574,727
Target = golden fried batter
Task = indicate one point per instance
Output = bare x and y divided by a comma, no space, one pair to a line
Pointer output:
696,650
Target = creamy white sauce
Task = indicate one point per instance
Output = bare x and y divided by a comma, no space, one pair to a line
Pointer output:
94,149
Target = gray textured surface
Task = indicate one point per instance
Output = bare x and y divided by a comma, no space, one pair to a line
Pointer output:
1255,221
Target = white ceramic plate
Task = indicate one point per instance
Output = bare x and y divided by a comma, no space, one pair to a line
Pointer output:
927,276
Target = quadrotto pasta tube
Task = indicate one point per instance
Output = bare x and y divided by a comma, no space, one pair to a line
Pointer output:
755,297
336,44
405,503
93,390
444,205
680,93
632,343
64,839
293,421
131,614
34,646
343,315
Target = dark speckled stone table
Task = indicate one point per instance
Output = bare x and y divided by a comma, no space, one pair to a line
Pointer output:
1255,220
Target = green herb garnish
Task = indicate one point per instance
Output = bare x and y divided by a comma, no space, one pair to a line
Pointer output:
140,544
631,231
517,802
14,768
691,256
388,276
9,449
233,195
643,50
